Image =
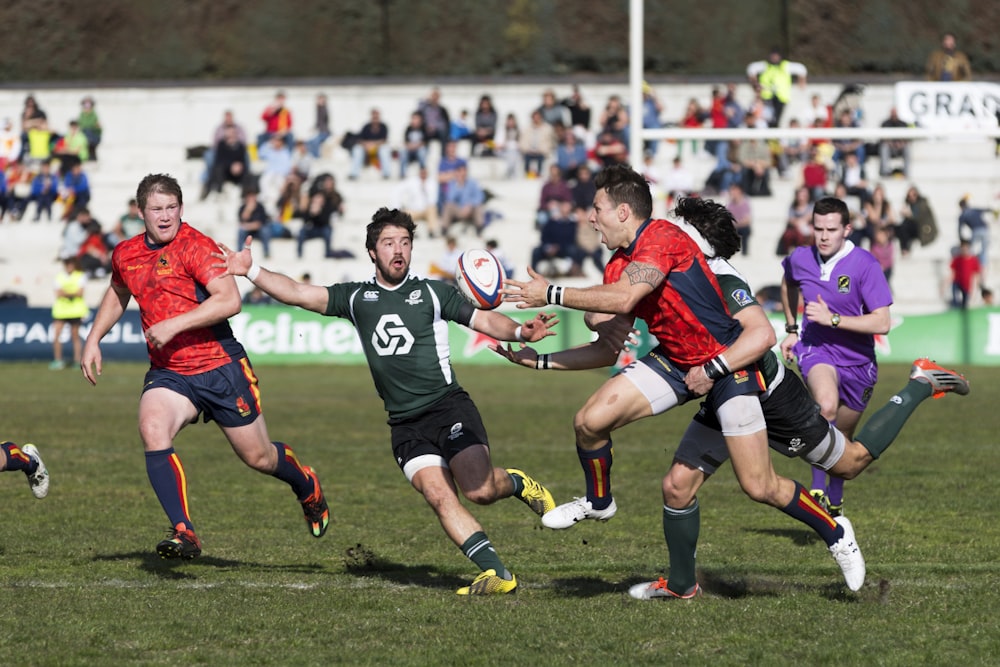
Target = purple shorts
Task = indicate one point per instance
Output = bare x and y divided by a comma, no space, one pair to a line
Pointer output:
856,383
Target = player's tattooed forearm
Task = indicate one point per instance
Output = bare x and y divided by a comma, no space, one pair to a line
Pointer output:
643,273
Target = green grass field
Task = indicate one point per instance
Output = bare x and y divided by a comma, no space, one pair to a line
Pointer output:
80,583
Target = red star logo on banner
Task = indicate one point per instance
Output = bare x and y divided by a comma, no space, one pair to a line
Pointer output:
476,343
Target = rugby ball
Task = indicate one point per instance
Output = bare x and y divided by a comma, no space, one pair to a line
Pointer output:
480,278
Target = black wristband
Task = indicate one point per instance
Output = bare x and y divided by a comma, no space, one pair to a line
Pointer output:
543,362
554,295
716,368
792,328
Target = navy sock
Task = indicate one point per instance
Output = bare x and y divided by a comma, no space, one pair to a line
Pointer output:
166,475
597,470
290,471
17,459
803,508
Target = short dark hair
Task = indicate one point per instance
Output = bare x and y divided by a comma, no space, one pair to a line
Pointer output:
624,185
827,205
383,218
713,221
161,183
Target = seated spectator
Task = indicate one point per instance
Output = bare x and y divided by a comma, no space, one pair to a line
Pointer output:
588,239
728,169
484,128
852,177
558,241
464,202
414,145
44,190
16,190
129,224
257,297
72,148
652,109
610,150
448,170
792,151
302,160
494,248
372,148
694,117
418,196
74,233
510,145
878,213
323,204
584,189
276,158
798,225
75,191
446,266
10,144
738,205
230,162
90,125
917,221
843,147
460,128
814,175
755,158
321,127
538,141
94,254
288,207
437,122
277,122
579,114
553,113
253,221
570,155
677,182
555,192
615,119
883,250
966,272
890,149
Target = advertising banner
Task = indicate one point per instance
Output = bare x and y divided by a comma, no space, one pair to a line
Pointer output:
285,335
948,105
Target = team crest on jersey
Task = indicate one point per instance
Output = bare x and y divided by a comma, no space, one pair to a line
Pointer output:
456,431
370,295
795,444
742,297
242,407
414,298
163,265
844,284
741,376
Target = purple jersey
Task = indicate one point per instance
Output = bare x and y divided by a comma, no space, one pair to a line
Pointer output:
852,283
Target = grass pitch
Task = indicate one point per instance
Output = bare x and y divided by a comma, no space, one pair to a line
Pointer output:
80,583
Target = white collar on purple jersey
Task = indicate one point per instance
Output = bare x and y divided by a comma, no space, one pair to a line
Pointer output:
826,268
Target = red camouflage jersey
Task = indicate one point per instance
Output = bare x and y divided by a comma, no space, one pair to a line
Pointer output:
167,280
686,313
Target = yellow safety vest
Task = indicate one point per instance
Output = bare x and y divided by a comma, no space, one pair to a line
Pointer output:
775,81
70,308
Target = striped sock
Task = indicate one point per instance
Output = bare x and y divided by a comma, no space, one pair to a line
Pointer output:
803,508
597,470
480,551
17,459
166,475
290,471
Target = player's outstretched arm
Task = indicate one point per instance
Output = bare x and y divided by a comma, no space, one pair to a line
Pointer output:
500,326
276,285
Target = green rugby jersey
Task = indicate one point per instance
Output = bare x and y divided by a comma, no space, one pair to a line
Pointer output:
738,296
404,333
